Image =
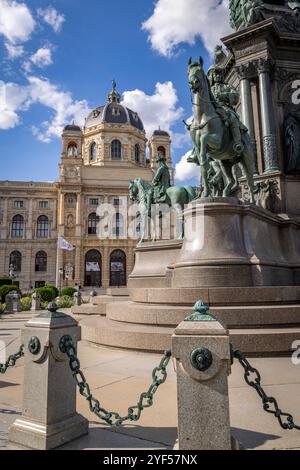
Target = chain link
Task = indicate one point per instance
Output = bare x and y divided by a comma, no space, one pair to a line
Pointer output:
11,361
270,404
112,418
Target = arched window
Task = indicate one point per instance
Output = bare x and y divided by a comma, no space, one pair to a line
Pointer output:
137,153
72,150
116,150
93,221
42,230
161,151
93,152
41,262
118,268
93,269
15,260
118,225
17,228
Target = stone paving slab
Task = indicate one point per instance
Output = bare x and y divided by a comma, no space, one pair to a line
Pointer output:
118,377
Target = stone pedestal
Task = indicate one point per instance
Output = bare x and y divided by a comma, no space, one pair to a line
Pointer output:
153,263
35,302
13,303
77,299
202,353
236,245
49,418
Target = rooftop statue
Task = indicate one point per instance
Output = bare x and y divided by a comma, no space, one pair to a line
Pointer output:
217,131
244,13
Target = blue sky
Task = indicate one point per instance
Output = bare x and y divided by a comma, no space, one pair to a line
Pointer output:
58,59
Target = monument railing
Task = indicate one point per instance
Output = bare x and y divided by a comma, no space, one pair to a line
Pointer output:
12,360
203,355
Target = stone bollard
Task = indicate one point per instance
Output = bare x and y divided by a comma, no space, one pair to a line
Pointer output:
77,299
49,418
201,347
35,302
13,302
92,295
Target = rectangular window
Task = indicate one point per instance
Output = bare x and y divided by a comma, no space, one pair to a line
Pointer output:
94,202
43,205
18,204
39,284
117,202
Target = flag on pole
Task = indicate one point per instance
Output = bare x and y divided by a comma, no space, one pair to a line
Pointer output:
65,245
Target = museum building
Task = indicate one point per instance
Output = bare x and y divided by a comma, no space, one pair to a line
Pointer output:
97,163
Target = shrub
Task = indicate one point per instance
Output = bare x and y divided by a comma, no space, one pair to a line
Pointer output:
4,290
65,302
5,281
68,291
26,304
47,293
2,308
54,289
44,305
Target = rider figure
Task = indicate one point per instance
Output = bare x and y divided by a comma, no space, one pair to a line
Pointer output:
226,97
161,182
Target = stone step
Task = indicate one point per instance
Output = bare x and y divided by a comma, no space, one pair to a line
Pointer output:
233,317
89,309
252,341
104,299
219,296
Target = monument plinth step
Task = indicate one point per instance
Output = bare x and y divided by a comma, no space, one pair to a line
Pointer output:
252,341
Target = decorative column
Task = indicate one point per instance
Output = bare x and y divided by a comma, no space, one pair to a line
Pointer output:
78,215
78,279
60,232
267,116
5,224
244,73
29,228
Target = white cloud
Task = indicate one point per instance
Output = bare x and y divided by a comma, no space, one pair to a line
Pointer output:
186,171
16,21
15,98
14,51
64,107
52,17
42,57
183,21
157,110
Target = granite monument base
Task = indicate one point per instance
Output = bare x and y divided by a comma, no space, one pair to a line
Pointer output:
244,262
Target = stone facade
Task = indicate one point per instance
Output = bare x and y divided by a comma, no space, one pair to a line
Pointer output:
97,163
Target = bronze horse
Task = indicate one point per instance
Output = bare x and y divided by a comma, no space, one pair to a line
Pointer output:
211,136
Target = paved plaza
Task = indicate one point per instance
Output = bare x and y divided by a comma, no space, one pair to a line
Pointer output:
117,377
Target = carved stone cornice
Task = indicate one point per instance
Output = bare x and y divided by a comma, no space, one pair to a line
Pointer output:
264,65
246,71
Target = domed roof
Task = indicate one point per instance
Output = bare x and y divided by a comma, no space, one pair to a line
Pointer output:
114,113
159,132
72,127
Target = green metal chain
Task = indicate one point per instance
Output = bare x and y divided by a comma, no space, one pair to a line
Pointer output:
11,361
113,418
270,404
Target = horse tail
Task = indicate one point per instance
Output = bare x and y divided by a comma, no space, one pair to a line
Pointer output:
191,193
